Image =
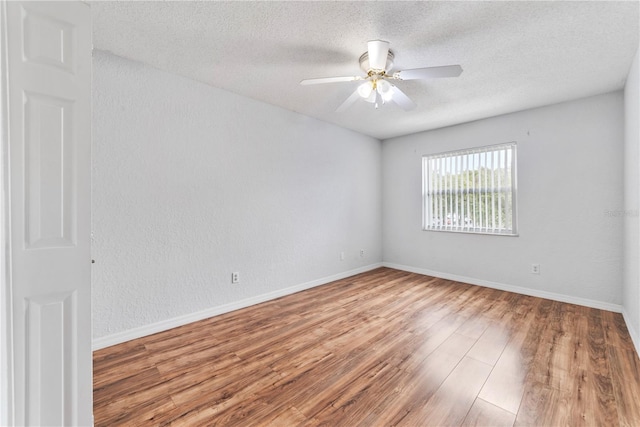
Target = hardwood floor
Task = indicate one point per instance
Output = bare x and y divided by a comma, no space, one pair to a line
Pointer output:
382,348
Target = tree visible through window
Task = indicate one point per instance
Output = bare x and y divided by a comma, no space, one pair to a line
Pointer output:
471,191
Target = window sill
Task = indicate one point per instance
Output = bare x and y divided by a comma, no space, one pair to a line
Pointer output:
488,233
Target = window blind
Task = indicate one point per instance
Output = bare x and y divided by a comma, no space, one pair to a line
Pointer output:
472,190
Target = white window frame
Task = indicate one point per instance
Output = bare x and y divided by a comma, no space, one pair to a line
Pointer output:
463,216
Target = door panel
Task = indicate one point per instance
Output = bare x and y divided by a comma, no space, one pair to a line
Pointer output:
49,140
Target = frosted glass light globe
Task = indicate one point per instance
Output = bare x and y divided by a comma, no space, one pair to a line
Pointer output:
364,90
385,90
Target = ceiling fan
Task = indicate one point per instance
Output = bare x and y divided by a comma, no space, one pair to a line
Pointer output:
377,88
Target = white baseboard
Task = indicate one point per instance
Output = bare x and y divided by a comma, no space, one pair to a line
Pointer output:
510,288
165,325
632,331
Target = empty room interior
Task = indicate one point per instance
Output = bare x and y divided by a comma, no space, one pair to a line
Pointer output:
365,213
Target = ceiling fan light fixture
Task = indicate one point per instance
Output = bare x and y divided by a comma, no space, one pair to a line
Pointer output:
372,97
385,90
365,89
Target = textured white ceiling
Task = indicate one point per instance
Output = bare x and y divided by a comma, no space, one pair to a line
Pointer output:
515,55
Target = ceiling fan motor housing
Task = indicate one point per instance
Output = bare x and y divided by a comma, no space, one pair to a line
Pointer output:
364,62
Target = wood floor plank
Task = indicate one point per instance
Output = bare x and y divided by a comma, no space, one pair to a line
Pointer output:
286,417
616,332
386,347
431,357
593,401
506,383
132,400
345,370
483,414
109,363
505,386
543,405
474,327
625,369
361,396
451,402
596,404
491,343
418,382
144,413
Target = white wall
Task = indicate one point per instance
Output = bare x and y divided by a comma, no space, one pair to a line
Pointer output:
191,183
631,242
569,196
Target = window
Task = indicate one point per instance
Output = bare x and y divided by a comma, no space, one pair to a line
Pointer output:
471,191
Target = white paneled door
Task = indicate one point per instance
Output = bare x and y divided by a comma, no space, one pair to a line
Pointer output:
46,160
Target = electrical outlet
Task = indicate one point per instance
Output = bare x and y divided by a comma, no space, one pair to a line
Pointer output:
341,256
361,253
235,277
535,268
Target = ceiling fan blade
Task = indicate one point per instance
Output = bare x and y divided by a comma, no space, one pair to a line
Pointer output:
429,72
329,80
401,99
378,51
348,102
